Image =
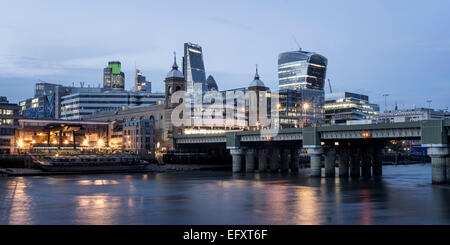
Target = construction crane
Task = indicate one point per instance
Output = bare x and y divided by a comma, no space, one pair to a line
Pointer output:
329,85
298,45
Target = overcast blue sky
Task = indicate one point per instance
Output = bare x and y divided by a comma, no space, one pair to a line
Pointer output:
401,48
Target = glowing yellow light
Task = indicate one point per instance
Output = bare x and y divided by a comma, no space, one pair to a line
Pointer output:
100,143
66,142
366,134
158,145
54,142
33,142
305,106
85,143
20,143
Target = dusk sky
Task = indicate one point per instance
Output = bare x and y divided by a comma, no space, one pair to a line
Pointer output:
401,48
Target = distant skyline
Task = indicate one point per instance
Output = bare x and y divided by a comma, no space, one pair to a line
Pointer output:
401,48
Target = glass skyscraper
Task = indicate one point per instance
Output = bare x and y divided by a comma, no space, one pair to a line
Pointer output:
301,107
211,84
193,67
301,69
141,84
301,77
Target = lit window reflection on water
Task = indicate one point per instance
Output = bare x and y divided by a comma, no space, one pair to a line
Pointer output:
16,206
403,195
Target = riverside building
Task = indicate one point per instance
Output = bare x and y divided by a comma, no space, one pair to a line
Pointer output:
9,116
46,103
413,115
76,106
344,107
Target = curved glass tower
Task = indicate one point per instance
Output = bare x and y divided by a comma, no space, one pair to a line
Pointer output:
211,84
301,69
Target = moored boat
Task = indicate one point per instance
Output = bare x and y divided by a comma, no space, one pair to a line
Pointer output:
94,163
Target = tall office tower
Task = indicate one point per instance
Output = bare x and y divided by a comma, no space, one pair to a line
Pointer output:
193,67
301,77
211,84
301,69
113,77
141,84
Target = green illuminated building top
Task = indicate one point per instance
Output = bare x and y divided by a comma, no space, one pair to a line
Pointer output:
113,77
115,66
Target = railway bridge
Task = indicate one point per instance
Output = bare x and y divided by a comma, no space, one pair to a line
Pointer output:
357,148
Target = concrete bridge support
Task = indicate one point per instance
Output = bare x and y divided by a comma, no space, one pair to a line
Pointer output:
275,160
366,162
447,166
355,159
316,166
236,154
295,160
343,163
438,156
330,161
377,166
250,160
285,160
262,160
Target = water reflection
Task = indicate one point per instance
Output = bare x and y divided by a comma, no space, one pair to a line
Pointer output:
98,182
366,212
402,196
98,209
16,203
307,206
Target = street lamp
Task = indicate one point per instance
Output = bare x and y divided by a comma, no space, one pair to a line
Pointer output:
305,107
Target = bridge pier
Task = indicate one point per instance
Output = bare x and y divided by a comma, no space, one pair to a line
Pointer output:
447,166
316,166
343,163
377,166
250,160
275,160
262,160
236,154
295,160
438,156
366,162
330,161
285,160
355,159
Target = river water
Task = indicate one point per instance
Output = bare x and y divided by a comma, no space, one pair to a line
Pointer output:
404,195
